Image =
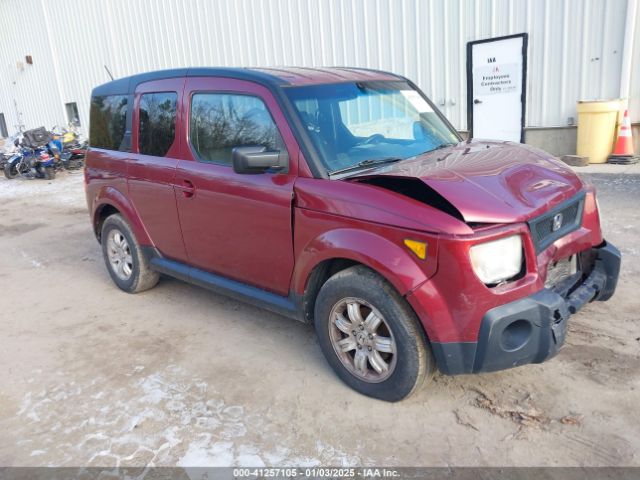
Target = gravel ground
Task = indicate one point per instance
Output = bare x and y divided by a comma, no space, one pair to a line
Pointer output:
180,376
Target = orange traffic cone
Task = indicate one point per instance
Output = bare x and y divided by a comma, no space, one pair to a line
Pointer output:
623,151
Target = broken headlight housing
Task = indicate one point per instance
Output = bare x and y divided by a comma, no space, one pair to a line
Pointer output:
497,260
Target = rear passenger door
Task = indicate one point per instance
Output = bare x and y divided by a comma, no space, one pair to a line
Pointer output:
236,225
153,160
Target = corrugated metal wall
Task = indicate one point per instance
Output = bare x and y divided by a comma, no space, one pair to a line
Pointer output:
575,46
634,98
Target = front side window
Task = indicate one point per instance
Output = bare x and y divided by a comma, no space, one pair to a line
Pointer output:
157,123
108,121
221,122
350,123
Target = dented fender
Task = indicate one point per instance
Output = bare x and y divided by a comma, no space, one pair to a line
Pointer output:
357,199
321,237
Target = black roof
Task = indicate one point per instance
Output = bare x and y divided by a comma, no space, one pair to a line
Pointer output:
127,85
270,77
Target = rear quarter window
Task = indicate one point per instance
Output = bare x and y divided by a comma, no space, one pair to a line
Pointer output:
157,123
108,123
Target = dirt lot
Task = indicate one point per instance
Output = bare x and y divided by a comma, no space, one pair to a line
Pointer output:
181,376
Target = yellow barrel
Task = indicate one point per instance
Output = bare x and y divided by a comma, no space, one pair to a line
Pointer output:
597,129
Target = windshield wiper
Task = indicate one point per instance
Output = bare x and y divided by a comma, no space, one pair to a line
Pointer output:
366,164
441,146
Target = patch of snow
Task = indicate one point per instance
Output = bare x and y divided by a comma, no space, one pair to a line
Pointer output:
34,263
203,453
163,418
65,190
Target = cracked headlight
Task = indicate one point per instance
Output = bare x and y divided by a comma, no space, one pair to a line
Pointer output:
498,260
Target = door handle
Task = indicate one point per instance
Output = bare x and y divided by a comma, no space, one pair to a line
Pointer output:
187,188
477,101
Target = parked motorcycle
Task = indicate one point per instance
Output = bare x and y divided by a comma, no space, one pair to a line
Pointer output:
32,160
30,163
76,159
10,148
65,146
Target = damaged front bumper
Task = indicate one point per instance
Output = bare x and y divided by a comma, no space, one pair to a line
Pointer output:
531,329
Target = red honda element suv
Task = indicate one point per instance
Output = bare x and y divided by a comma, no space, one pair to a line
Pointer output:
343,197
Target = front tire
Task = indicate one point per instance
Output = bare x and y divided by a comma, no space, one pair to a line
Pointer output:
10,170
125,261
48,173
370,336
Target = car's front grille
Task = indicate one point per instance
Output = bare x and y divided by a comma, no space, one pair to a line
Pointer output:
556,223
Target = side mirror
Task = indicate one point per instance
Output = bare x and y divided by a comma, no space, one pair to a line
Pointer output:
257,159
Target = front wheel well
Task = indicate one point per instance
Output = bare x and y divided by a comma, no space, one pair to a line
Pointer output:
318,277
102,214
320,274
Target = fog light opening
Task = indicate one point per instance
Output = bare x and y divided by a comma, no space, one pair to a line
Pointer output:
516,335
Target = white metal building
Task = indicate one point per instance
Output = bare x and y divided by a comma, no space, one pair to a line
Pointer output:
577,49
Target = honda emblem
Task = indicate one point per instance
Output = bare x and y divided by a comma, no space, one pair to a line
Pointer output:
557,222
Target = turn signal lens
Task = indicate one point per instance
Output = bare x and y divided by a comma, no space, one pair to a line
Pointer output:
419,248
597,209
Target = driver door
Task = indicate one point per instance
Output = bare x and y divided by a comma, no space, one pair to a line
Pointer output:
235,225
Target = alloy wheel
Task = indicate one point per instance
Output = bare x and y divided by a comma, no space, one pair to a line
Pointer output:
362,340
119,253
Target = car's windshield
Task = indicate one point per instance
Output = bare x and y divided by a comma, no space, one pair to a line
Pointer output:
363,122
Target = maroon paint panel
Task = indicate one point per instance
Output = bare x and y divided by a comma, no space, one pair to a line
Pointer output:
105,178
321,236
374,204
151,179
492,182
299,76
235,225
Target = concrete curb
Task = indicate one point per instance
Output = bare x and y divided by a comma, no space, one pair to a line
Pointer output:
609,168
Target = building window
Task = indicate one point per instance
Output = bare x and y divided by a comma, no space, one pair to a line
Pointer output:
157,123
221,122
3,126
108,121
72,113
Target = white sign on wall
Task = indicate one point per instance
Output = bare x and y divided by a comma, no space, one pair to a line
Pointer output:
497,79
495,71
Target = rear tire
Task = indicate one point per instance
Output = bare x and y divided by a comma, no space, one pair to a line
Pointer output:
125,261
10,171
370,336
48,173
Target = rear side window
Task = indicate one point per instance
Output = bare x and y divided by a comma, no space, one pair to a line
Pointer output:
220,122
157,123
108,121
